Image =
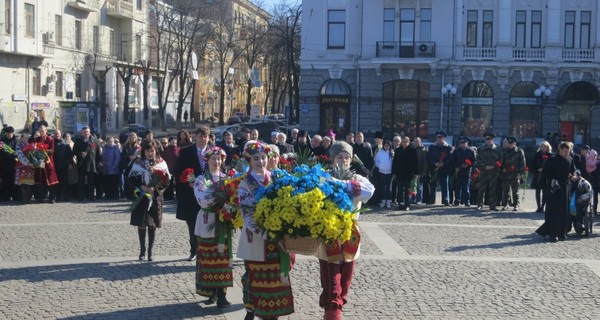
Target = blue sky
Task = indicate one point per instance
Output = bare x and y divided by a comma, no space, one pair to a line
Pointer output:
268,4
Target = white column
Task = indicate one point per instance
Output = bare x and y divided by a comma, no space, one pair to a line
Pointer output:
504,22
553,30
458,28
597,25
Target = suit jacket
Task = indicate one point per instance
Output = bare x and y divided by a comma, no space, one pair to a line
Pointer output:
187,205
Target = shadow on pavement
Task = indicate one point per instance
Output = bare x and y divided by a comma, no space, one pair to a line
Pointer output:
168,311
116,271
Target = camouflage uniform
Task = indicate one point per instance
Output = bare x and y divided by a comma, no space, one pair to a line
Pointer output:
487,181
513,167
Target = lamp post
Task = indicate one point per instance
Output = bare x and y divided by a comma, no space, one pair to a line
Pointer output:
542,94
448,92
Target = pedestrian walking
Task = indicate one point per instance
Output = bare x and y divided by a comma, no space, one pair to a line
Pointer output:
185,117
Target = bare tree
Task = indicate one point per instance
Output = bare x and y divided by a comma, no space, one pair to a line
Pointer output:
100,79
144,67
126,73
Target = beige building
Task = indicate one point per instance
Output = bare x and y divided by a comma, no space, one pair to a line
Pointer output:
48,51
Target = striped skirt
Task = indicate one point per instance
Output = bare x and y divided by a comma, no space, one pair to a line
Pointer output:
213,269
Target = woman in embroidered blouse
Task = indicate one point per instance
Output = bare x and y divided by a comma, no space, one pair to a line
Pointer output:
273,297
146,216
336,260
213,265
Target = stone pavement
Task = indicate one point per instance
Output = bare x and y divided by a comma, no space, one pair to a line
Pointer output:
78,261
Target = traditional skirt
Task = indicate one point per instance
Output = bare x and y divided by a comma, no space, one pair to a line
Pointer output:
213,269
268,295
24,176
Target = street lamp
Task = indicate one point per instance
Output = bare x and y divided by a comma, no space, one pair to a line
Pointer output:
542,94
448,92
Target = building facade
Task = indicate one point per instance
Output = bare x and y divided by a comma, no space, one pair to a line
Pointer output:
54,55
522,68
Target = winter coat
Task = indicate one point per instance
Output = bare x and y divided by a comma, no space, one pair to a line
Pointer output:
383,161
405,165
111,158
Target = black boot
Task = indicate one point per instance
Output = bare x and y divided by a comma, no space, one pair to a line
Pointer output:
151,234
222,299
249,315
142,236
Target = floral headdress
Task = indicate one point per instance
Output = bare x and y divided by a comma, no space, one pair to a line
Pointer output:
253,147
210,151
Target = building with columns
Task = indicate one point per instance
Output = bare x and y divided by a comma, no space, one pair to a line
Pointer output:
54,56
522,68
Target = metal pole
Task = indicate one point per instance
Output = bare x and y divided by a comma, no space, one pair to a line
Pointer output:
442,103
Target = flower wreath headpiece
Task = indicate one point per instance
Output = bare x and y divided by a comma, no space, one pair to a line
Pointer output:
210,151
253,147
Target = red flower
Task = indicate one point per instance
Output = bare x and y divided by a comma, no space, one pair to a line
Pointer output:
187,176
92,146
544,157
468,162
498,164
511,168
526,169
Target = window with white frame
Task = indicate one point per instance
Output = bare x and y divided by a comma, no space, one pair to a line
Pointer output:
37,82
29,20
536,29
58,29
78,32
472,28
336,29
425,32
585,30
59,84
407,25
520,28
569,29
488,29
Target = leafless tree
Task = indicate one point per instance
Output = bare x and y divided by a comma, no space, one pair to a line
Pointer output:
100,79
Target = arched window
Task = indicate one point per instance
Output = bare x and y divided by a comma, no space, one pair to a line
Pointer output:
525,111
406,108
477,108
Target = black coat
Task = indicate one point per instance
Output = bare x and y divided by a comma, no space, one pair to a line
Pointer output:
405,165
230,151
187,205
365,154
92,158
63,155
557,208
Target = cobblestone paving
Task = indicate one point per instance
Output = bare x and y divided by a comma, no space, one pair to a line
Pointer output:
77,261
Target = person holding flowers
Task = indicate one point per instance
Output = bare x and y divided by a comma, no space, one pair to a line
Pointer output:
537,164
336,260
488,163
213,265
513,167
149,177
24,170
464,160
45,176
267,292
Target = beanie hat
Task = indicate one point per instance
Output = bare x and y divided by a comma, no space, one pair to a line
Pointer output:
338,147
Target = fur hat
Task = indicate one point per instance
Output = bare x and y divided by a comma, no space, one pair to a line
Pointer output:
338,147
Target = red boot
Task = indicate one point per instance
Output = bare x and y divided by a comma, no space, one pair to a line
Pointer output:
335,314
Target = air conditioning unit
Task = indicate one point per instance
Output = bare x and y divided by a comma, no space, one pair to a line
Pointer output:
48,37
425,50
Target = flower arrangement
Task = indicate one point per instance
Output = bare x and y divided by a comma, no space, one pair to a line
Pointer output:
157,177
187,176
305,204
324,160
36,153
6,148
412,191
229,213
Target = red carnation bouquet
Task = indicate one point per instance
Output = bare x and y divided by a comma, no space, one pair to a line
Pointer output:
498,164
157,177
468,162
36,153
187,176
544,157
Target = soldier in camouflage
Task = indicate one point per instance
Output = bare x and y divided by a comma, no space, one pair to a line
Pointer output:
487,157
513,167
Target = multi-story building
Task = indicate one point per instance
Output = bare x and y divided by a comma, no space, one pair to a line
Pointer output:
54,56
522,68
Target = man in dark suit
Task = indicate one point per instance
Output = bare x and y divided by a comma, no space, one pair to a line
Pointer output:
187,206
87,151
230,148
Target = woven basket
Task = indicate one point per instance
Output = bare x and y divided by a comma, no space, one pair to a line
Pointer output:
306,246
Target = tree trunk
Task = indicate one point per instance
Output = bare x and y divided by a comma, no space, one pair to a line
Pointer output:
249,96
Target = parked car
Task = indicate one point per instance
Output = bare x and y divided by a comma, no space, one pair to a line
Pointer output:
129,128
275,116
234,120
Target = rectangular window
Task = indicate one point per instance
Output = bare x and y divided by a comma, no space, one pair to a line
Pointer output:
472,28
585,29
36,81
138,5
78,34
388,25
96,39
7,16
336,30
58,29
425,24
29,20
488,28
78,85
407,25
111,44
520,28
59,84
536,29
138,47
570,29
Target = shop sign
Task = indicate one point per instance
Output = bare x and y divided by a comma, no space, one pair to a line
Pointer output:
524,101
479,101
40,106
342,100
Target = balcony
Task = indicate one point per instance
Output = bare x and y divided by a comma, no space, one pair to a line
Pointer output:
472,53
120,9
529,54
411,49
578,55
84,5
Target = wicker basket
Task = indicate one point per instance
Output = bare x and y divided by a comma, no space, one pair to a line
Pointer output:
306,246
